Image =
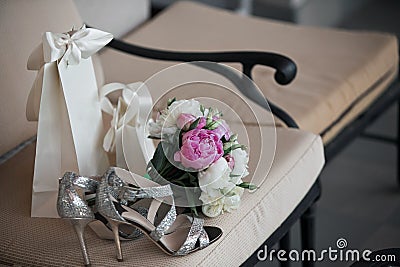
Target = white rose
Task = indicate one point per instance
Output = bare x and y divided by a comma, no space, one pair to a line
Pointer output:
241,159
215,178
224,203
166,122
182,106
232,199
219,193
154,128
213,209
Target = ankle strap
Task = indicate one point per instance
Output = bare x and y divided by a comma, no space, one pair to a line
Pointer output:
128,193
85,183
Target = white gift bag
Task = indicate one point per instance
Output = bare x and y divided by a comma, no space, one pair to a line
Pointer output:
64,100
127,133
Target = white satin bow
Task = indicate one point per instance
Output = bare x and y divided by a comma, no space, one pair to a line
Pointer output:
127,134
74,45
118,112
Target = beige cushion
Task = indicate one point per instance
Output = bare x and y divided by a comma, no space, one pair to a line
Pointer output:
52,242
337,69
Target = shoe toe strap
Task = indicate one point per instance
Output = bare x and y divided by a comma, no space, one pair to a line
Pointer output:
203,239
196,233
164,225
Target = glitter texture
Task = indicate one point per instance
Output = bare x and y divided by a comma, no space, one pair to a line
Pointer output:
69,202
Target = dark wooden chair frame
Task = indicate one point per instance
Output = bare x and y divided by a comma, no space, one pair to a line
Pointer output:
285,72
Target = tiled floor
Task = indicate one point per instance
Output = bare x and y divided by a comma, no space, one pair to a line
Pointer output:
361,199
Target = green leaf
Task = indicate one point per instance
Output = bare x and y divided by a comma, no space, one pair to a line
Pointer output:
147,176
158,160
233,138
229,149
182,178
202,109
170,101
213,125
228,145
194,210
179,183
193,179
209,118
194,124
248,185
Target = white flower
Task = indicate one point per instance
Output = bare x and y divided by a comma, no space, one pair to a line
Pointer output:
219,192
182,106
215,178
156,128
241,159
166,122
213,209
232,199
212,112
227,202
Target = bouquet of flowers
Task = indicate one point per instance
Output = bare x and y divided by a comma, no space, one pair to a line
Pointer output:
198,149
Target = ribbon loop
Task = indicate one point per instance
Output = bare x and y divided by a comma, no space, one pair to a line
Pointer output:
129,116
74,45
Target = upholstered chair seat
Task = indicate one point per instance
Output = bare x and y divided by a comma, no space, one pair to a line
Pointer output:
340,73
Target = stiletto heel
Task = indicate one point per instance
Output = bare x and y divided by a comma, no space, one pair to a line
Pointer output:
72,206
118,188
115,228
79,226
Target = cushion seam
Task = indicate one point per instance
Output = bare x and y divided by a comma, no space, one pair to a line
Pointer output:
356,101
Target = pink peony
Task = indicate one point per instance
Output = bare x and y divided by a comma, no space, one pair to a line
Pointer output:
200,148
223,130
202,123
185,120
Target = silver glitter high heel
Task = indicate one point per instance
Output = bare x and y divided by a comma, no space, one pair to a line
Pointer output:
72,206
118,188
76,203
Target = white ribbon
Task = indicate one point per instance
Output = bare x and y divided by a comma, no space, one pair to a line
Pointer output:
74,45
64,100
127,135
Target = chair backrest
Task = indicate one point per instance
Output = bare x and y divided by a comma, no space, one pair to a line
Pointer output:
117,17
22,23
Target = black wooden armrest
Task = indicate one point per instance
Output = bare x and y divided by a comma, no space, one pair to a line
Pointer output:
285,68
